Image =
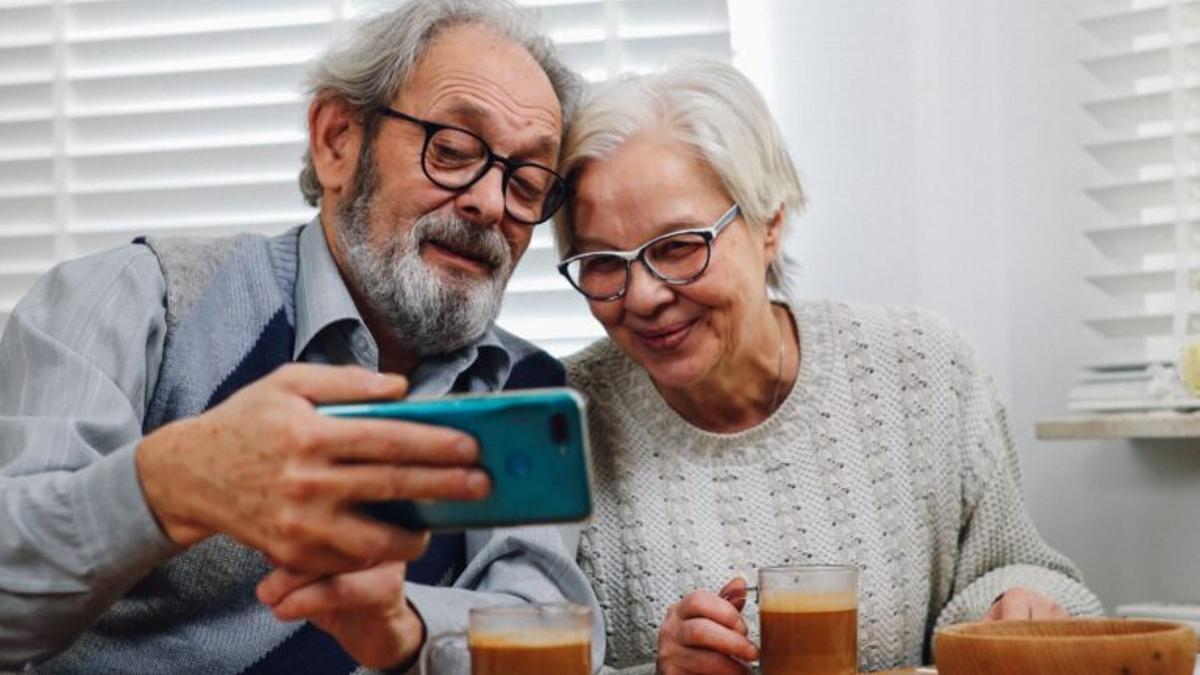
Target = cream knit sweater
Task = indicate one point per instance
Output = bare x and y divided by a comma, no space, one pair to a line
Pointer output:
891,452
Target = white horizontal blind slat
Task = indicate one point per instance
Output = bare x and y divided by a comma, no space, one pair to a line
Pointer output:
185,117
140,116
1147,60
27,176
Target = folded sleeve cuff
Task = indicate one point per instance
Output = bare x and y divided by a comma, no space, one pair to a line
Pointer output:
124,537
443,610
972,602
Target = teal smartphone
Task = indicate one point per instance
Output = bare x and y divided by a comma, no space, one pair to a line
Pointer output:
532,443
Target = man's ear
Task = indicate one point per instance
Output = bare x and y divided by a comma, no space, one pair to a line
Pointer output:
773,235
334,139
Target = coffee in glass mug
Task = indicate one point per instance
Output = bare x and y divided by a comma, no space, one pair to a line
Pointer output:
808,620
522,640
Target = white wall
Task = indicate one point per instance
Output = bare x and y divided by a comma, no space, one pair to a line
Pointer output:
939,141
896,147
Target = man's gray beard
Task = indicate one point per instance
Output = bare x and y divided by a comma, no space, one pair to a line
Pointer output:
427,312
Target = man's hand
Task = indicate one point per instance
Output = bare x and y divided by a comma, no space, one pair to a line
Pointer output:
266,469
365,610
1022,604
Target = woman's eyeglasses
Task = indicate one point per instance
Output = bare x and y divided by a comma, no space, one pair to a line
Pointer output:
678,257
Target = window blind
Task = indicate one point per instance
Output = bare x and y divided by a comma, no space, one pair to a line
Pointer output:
128,117
1146,61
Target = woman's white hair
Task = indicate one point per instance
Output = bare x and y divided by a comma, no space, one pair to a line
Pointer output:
369,65
715,110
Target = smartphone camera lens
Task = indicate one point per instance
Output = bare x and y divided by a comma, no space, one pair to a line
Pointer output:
559,429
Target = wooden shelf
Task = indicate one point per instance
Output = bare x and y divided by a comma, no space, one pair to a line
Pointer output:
1165,424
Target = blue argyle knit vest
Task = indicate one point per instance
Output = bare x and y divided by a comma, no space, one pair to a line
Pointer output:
230,321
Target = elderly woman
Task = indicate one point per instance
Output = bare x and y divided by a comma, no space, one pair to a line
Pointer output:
736,427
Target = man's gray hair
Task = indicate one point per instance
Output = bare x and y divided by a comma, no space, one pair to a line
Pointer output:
375,59
713,109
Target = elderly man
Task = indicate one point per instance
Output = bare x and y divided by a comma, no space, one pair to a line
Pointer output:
173,502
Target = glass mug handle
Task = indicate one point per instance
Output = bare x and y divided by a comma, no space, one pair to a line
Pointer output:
436,643
751,598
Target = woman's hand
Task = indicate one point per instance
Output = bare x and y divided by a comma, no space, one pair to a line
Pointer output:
704,633
1022,604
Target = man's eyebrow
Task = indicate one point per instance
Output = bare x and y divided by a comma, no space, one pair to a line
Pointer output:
545,145
468,111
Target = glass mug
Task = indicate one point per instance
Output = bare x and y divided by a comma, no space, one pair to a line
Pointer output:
519,640
808,620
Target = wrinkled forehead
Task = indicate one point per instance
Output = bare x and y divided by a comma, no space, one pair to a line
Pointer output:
473,76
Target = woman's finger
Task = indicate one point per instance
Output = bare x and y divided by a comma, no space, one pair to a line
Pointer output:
1014,607
706,634
735,592
708,605
992,614
1046,609
1020,604
1004,608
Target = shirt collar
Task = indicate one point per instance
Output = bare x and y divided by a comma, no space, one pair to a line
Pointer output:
322,298
481,366
324,304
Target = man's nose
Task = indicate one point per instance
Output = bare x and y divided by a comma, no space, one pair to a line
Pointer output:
483,202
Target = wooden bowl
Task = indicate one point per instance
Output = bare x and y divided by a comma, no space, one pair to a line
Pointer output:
1071,647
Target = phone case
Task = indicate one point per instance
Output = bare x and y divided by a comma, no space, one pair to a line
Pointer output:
533,444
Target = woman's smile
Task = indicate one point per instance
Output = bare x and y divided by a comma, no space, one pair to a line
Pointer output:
665,339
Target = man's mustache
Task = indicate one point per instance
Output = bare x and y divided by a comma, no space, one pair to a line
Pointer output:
455,234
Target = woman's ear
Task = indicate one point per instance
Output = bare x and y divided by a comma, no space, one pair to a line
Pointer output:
334,139
773,236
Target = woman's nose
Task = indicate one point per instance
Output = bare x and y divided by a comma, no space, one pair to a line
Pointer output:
646,292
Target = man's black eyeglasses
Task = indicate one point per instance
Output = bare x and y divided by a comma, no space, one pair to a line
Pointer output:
455,159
